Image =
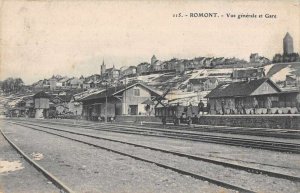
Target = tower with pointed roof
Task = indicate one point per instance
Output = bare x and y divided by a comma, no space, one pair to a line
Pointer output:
103,69
153,59
288,47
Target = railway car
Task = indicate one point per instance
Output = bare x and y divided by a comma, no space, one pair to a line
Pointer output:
177,114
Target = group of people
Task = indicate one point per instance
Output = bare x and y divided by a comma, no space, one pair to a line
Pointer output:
238,107
231,107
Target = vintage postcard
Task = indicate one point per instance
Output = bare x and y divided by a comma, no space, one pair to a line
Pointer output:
149,96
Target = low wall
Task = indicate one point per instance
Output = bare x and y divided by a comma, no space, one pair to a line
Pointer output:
255,121
137,118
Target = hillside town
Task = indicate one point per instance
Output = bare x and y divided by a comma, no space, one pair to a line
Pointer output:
181,81
149,96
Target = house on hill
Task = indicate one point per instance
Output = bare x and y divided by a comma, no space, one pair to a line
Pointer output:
203,84
121,100
109,74
248,74
156,66
218,61
292,80
207,63
198,62
255,58
130,71
87,84
244,96
76,83
142,68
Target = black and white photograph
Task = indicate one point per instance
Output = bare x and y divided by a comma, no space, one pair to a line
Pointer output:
150,96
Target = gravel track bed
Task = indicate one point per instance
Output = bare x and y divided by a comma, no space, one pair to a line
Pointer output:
24,178
167,128
263,159
259,183
88,169
93,124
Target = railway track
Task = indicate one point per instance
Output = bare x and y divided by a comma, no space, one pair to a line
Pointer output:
193,136
162,165
263,132
59,184
198,158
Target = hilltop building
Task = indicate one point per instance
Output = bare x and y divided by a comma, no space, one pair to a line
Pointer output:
102,69
256,58
288,47
203,84
153,60
142,68
109,74
288,51
246,74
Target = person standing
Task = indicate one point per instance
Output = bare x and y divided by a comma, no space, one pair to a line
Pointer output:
223,106
201,107
268,105
208,107
255,105
231,106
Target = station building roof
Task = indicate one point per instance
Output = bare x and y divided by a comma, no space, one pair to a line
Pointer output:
241,89
118,90
41,94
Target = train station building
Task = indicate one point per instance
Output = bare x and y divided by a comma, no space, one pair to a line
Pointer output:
246,96
132,99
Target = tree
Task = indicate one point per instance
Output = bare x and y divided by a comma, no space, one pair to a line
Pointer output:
12,85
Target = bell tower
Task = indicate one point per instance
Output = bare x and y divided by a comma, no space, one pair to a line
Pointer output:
103,68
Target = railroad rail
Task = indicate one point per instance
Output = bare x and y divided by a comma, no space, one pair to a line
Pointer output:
59,184
165,166
263,132
225,164
194,136
198,158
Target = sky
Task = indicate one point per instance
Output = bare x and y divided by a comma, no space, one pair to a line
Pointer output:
72,38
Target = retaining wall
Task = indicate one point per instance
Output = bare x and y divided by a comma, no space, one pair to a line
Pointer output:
255,121
137,118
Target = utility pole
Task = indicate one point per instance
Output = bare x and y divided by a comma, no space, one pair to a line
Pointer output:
106,103
125,96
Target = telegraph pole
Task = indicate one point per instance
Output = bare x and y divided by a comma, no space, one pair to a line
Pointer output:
125,97
106,103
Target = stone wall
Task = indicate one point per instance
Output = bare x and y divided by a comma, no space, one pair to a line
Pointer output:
137,119
255,121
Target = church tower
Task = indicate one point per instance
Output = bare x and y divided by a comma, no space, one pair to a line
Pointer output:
288,47
153,59
103,69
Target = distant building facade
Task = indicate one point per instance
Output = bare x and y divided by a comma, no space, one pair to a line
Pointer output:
255,58
142,68
247,74
203,84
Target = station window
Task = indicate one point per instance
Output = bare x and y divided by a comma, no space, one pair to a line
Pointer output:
136,92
